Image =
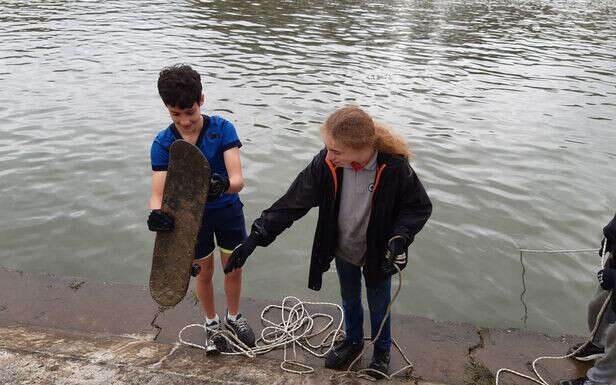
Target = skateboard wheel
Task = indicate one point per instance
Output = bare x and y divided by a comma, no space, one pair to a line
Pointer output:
195,269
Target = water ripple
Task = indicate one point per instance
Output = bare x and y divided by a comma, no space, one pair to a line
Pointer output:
509,107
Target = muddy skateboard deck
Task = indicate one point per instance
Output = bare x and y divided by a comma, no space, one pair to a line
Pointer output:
184,196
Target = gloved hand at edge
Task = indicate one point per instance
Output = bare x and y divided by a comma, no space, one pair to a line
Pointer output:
607,278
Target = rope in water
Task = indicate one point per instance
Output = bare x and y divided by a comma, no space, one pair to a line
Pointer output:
542,251
296,329
540,380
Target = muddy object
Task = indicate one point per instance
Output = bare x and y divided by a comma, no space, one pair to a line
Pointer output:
184,196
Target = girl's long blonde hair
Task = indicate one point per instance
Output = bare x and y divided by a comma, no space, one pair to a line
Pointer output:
354,128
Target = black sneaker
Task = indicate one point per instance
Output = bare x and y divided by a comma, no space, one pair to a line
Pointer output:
588,353
380,363
343,354
219,341
577,381
241,329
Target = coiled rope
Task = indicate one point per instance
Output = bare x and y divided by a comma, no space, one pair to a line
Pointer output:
296,330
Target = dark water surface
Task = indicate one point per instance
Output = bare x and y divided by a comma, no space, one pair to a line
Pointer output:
509,106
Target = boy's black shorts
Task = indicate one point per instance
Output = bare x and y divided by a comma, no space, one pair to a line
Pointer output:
227,224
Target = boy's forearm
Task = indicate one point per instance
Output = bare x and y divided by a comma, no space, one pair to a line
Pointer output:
156,202
236,184
158,185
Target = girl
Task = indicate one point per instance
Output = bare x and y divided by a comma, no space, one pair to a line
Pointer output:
371,206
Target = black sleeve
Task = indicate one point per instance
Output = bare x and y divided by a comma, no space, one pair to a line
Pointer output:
304,193
415,207
609,231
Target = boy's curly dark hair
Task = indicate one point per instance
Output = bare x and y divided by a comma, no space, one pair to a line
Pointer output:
179,86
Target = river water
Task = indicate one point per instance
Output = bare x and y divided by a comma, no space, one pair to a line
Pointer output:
509,107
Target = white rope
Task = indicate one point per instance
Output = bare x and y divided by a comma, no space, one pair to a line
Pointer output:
540,380
295,330
559,251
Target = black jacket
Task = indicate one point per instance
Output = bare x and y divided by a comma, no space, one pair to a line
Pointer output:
400,206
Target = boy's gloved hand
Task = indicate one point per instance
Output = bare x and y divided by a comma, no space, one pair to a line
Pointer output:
396,255
607,278
160,221
242,252
218,185
609,232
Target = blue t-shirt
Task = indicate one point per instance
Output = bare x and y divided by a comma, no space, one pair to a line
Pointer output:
217,136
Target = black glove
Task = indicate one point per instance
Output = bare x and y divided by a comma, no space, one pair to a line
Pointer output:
609,243
218,185
160,221
396,255
257,237
607,278
241,253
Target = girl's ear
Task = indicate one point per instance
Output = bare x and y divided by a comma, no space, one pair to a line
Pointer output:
202,100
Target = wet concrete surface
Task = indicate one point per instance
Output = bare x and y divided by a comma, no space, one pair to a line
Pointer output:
115,333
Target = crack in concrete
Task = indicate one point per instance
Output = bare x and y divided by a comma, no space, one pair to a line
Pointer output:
476,373
154,325
483,333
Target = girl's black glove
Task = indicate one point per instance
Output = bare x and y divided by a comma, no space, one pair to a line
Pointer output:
241,253
160,221
257,237
396,255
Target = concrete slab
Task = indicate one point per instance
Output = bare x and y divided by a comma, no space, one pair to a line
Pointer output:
516,349
122,322
31,355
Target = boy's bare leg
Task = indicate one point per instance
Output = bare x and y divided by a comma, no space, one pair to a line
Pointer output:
204,286
233,285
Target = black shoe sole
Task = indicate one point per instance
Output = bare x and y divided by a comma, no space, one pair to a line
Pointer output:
589,358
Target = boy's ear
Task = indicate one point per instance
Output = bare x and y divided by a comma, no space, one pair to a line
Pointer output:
202,100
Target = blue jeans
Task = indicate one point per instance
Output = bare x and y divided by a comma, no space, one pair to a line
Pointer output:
378,299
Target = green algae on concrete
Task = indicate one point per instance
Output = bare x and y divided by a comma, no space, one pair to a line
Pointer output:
477,374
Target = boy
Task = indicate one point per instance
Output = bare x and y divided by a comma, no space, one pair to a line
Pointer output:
180,89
